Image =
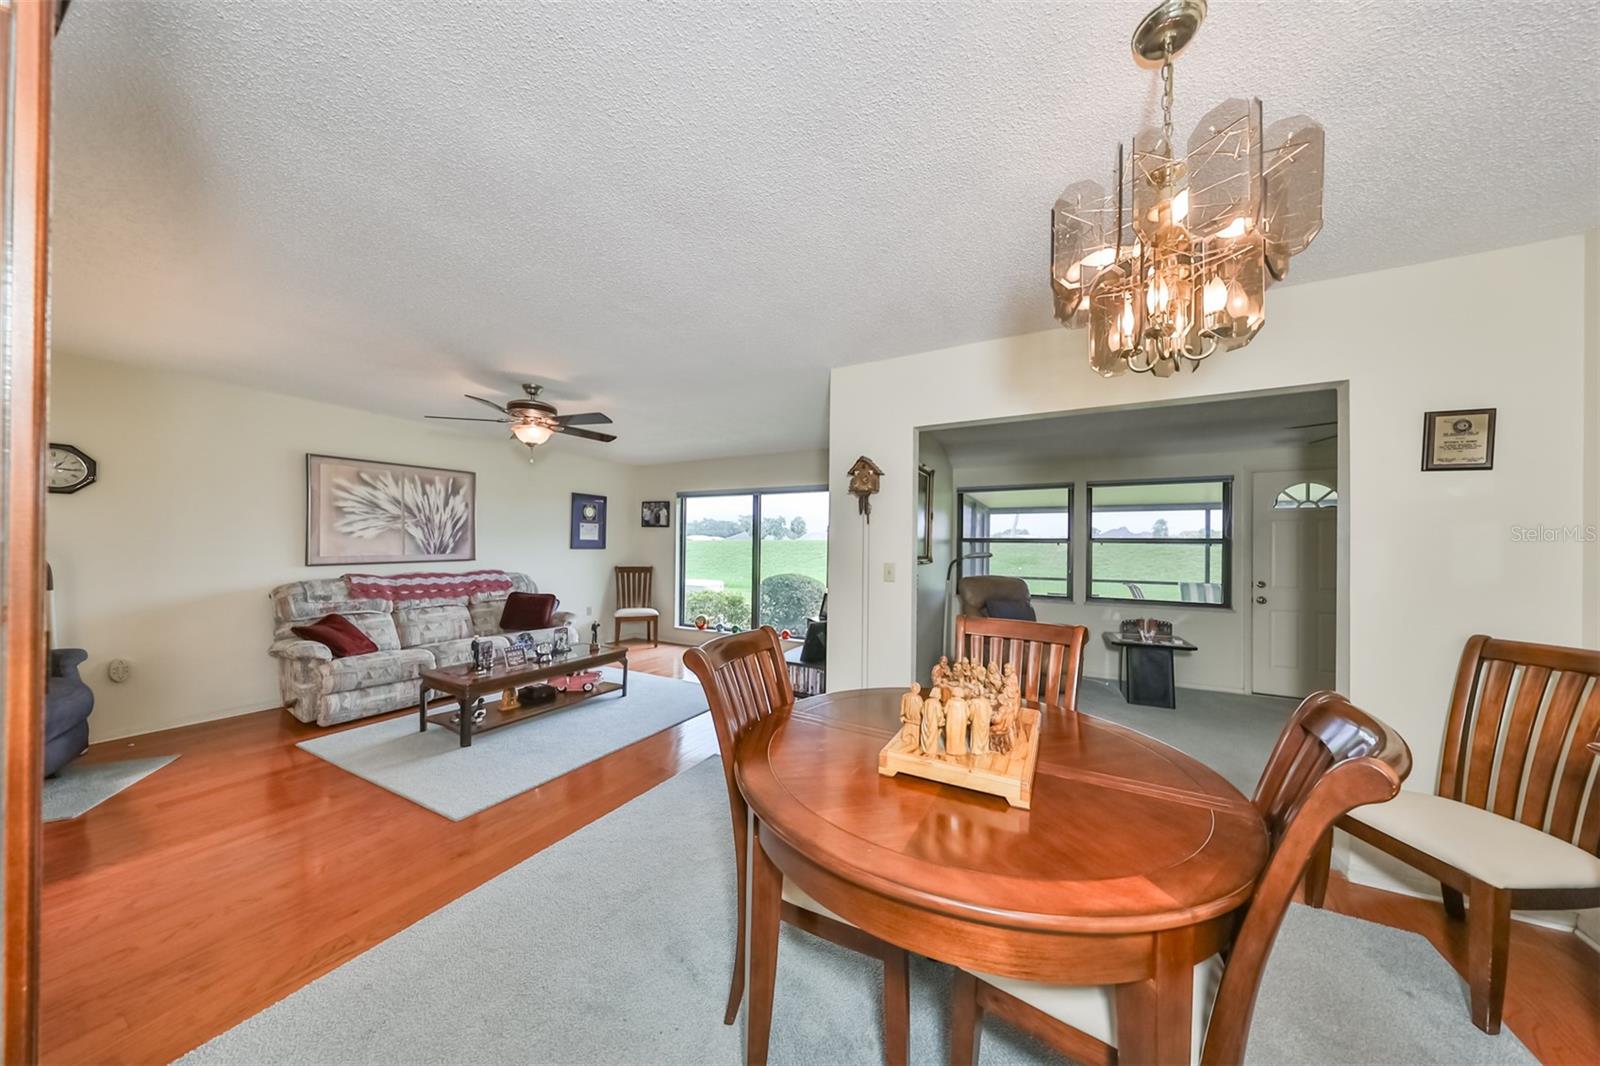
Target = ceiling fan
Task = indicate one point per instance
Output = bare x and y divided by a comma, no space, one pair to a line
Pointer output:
1318,425
533,420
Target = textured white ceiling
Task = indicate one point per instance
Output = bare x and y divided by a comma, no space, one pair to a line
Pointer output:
1187,428
684,213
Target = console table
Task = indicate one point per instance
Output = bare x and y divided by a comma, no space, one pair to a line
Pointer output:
1145,671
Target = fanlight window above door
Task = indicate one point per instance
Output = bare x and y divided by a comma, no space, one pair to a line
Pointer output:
1306,494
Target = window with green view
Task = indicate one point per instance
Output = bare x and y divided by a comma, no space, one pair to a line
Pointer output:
752,558
1019,532
1161,540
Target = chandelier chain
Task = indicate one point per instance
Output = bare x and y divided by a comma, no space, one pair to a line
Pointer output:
1166,92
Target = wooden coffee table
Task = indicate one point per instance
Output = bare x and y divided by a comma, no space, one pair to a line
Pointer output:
466,685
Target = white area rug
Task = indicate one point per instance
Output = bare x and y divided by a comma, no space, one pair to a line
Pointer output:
613,946
82,786
432,770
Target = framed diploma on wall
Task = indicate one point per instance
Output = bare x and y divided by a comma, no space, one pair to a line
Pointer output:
588,521
1458,440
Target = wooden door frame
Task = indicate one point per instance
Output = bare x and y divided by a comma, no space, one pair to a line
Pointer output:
28,27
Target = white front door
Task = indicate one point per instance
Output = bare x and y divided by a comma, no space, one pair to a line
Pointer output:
1293,574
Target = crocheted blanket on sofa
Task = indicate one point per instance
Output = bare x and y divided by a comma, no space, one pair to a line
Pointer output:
424,586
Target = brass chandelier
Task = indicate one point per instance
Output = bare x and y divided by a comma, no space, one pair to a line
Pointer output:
1174,262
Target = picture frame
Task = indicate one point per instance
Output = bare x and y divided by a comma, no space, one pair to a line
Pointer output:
588,521
924,517
1458,440
514,656
362,511
655,514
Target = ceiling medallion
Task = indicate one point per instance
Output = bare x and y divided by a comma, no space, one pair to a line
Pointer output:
1175,261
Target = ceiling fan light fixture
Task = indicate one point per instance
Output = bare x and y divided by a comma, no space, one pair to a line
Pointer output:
532,434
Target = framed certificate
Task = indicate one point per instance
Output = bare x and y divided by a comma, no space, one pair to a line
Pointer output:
1458,440
588,521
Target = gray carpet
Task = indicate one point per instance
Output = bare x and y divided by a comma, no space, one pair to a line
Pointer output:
613,946
432,770
1230,732
82,786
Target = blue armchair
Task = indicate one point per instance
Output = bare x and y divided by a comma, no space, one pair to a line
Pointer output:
67,704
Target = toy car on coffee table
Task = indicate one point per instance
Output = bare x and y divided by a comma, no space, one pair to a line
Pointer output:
583,681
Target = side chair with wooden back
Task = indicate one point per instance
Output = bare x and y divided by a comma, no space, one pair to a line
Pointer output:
1329,758
1048,658
634,602
1508,826
745,681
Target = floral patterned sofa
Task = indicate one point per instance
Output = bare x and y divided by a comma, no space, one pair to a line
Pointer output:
412,635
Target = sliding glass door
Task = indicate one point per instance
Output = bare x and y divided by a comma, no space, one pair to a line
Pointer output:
752,558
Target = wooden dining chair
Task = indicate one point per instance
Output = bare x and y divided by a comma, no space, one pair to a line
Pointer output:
1329,758
634,602
1507,827
745,681
1048,658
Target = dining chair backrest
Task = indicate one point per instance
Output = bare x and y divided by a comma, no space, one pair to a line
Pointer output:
745,681
633,586
1516,742
1329,758
1048,658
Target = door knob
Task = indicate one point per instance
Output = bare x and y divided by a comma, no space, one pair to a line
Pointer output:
1261,599
1261,584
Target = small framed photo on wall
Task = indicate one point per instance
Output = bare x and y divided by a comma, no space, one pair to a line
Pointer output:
1458,440
655,514
588,521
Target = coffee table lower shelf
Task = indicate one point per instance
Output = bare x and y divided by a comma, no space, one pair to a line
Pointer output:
497,717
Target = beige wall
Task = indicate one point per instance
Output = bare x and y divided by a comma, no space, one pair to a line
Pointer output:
659,547
1432,555
1222,633
200,509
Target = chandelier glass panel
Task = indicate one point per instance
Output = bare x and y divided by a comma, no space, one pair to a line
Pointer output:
1172,262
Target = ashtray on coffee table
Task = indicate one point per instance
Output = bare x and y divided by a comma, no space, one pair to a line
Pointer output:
465,686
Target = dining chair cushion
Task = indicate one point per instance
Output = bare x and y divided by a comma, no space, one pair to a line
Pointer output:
1482,844
637,612
1092,1009
793,893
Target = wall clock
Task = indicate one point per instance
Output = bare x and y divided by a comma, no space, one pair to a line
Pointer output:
66,469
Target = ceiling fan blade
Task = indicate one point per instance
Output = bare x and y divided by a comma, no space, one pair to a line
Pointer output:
586,434
1314,425
587,418
486,403
1319,440
459,418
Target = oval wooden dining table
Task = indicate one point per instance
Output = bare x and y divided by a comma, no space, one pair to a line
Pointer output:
1126,870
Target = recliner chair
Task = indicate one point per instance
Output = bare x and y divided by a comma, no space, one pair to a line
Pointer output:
68,703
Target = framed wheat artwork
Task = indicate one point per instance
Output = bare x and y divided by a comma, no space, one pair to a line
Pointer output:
365,511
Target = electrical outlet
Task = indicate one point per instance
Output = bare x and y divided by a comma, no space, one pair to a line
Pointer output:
888,571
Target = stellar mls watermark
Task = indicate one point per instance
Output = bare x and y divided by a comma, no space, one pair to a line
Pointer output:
1543,534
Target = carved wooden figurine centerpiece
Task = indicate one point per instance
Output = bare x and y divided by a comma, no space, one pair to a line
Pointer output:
969,729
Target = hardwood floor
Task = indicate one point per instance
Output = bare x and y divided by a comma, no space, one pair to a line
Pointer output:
248,868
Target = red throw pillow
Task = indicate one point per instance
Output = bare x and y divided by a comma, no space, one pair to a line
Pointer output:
529,610
342,636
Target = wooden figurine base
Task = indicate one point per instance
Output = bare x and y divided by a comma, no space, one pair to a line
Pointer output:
1008,776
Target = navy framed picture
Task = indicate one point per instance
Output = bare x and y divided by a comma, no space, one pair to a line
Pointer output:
588,521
